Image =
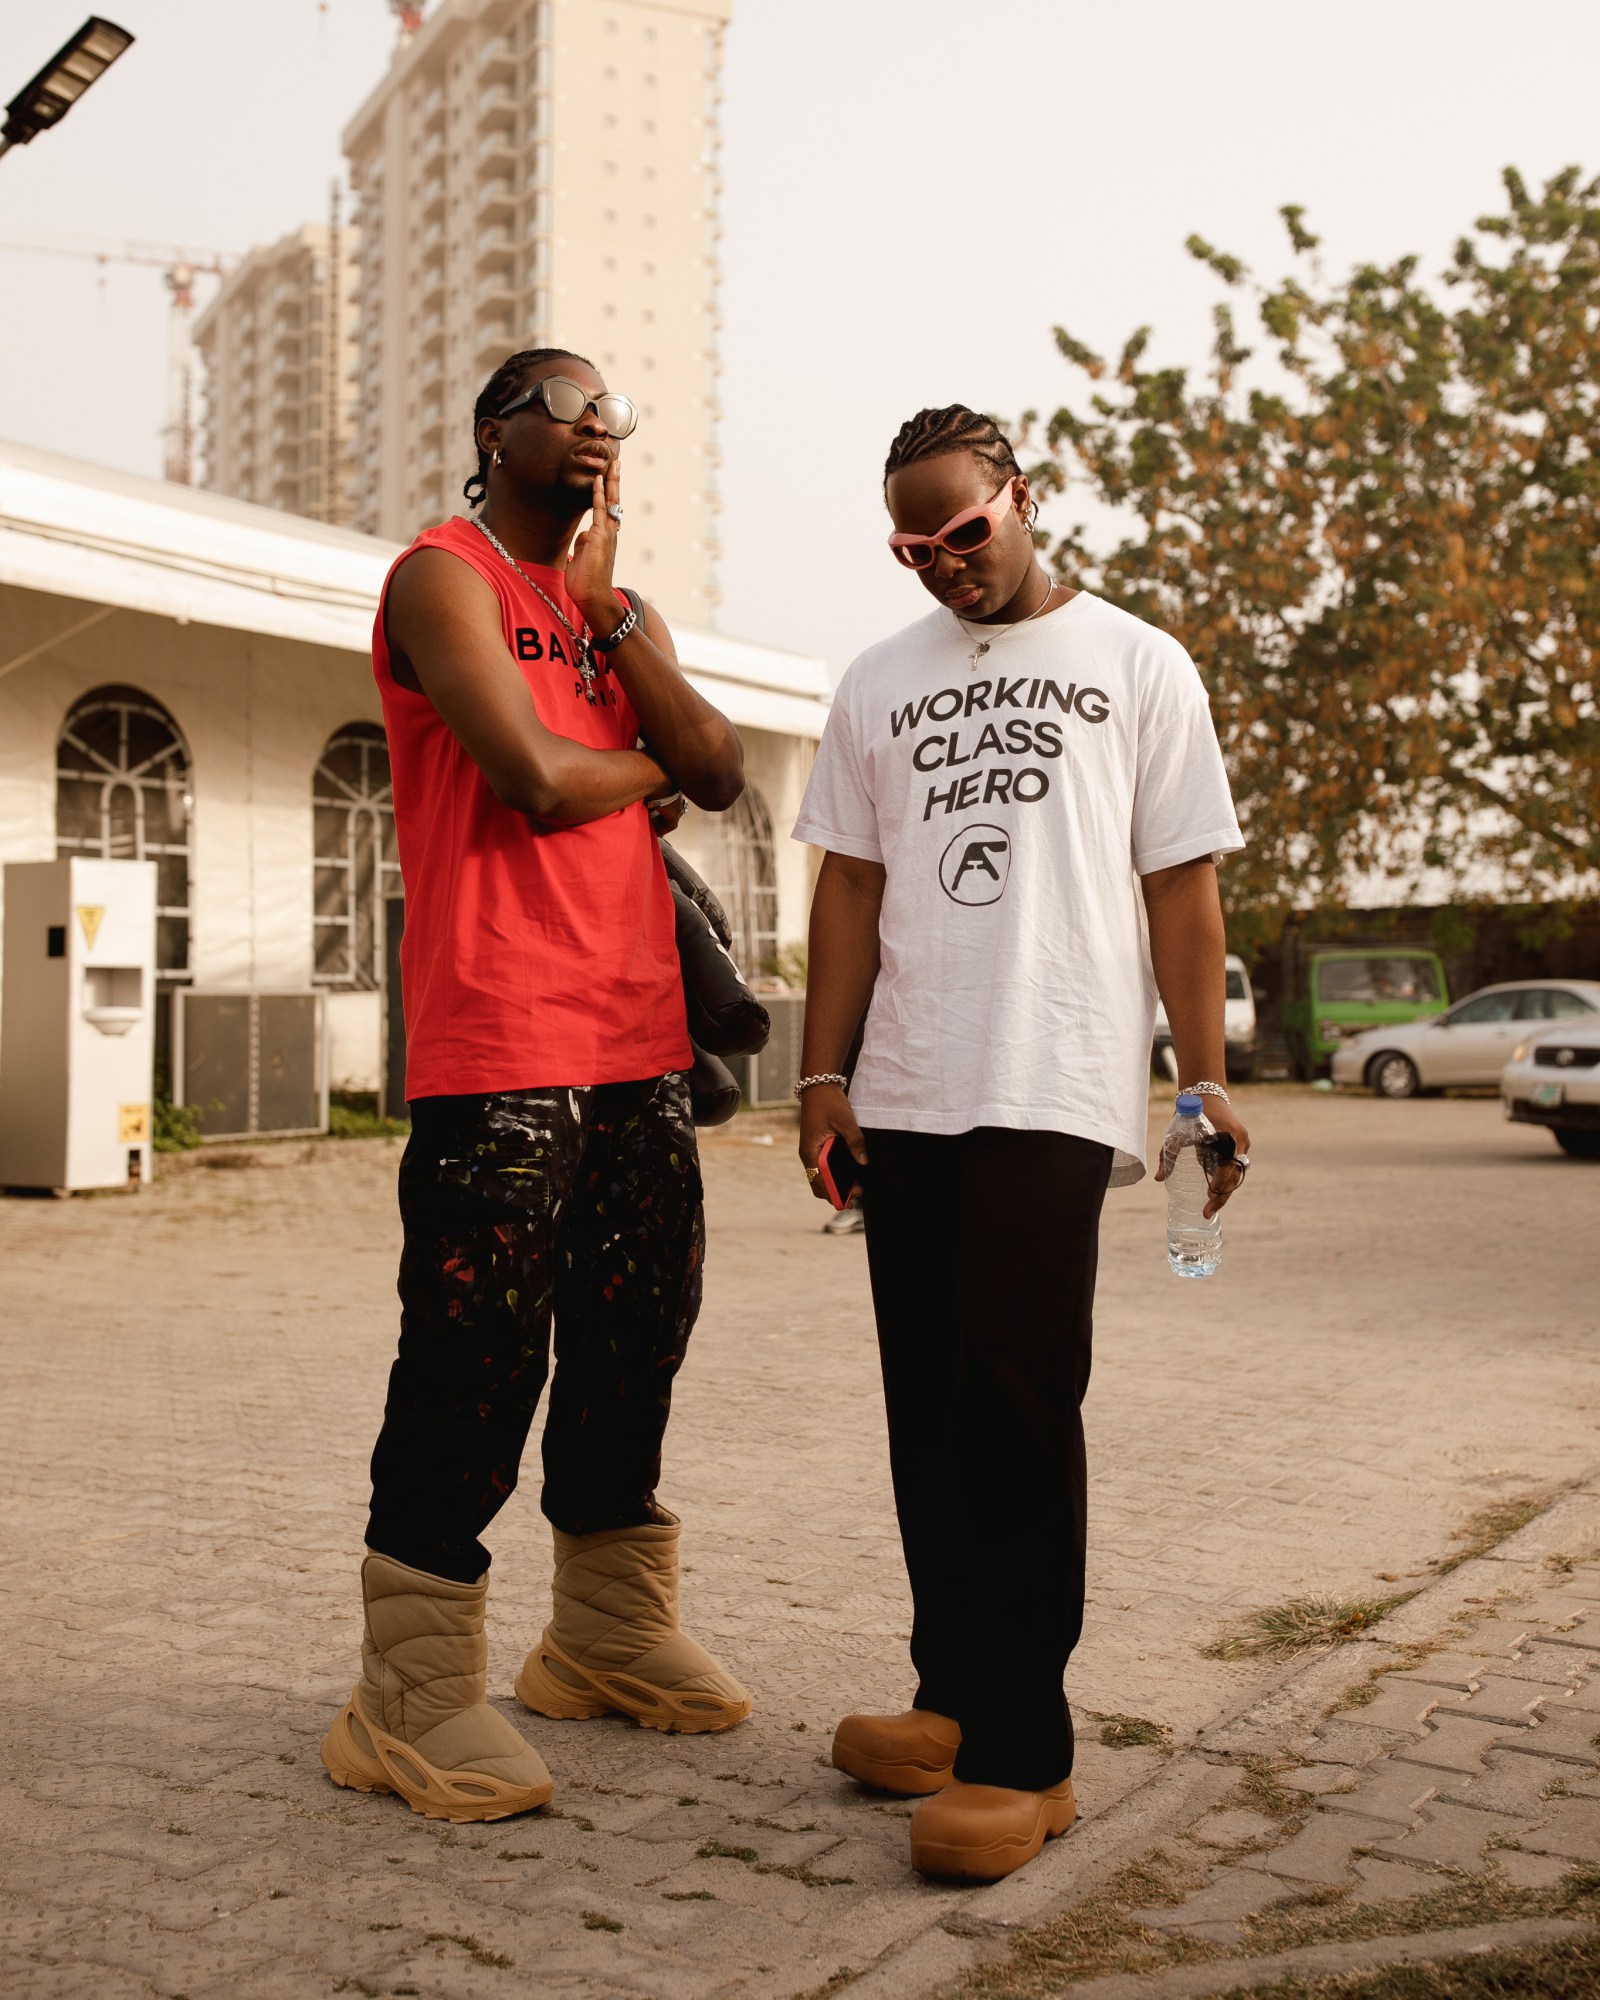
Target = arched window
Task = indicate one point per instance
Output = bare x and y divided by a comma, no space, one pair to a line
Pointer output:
123,794
741,866
357,860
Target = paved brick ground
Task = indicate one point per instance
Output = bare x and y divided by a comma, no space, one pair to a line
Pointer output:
1403,1329
1478,1759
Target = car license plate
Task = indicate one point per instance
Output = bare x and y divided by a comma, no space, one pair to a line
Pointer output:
1547,1093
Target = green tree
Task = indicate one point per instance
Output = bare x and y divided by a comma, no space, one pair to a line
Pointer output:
1380,539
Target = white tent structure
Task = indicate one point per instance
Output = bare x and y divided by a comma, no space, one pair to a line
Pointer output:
188,678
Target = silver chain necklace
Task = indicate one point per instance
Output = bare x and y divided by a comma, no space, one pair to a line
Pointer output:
980,646
582,642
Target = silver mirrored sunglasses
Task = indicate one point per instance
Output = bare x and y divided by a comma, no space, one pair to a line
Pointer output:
567,401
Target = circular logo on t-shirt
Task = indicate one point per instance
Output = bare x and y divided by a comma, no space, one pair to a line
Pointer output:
974,867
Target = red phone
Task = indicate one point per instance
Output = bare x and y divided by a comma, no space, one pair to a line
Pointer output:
839,1182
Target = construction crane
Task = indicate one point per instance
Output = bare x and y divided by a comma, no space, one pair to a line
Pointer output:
181,267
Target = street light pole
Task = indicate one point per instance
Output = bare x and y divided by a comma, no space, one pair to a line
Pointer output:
47,98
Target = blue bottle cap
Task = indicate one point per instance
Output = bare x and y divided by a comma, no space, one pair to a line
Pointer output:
1190,1105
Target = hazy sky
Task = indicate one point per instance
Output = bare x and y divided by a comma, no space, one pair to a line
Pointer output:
916,194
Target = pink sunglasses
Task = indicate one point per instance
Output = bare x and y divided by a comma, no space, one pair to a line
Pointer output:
973,528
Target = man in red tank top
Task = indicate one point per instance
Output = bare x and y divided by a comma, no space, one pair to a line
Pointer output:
552,1172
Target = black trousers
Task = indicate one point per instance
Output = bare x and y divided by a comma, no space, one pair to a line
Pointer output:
581,1205
982,1247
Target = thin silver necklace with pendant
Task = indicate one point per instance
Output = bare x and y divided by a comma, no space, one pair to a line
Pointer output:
980,646
582,643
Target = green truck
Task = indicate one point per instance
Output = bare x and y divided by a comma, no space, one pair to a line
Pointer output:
1331,992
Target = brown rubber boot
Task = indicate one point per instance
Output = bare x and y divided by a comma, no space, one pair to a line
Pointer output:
418,1723
977,1833
911,1754
614,1644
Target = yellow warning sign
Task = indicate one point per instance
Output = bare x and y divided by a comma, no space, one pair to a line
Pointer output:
91,916
133,1124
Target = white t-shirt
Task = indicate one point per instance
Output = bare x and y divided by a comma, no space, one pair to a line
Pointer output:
1014,802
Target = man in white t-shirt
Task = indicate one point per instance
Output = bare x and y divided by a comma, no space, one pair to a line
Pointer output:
1021,798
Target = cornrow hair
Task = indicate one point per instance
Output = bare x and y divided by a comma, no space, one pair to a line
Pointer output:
506,382
934,433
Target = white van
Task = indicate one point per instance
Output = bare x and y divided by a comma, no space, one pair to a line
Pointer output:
1238,1027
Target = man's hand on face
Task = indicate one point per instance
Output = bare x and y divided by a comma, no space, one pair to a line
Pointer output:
594,556
1229,1178
825,1110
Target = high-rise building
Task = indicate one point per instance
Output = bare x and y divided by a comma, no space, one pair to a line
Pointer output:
276,388
533,173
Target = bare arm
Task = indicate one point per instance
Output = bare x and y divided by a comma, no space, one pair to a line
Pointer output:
445,638
697,743
1187,946
843,954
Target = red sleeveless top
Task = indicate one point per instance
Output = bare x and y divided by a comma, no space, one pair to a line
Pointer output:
532,955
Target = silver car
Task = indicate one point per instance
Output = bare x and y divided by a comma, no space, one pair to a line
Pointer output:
1553,1079
1470,1043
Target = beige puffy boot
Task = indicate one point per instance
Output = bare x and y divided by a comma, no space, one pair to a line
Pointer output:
614,1642
418,1723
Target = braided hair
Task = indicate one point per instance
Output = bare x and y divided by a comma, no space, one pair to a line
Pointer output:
506,382
935,433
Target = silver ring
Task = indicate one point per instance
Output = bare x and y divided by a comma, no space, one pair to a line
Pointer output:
615,510
1242,1160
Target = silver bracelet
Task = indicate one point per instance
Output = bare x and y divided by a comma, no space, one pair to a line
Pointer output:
806,1082
1205,1090
621,633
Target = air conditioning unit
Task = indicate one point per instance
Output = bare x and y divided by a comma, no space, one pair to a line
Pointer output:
250,1065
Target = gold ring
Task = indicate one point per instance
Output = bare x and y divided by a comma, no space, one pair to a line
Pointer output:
813,1173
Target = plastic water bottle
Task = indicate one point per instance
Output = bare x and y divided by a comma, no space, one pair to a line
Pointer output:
1194,1245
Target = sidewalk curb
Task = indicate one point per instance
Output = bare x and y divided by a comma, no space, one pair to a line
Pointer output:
1199,1771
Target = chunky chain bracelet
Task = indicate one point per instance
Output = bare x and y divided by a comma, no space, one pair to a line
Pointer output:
1206,1090
806,1082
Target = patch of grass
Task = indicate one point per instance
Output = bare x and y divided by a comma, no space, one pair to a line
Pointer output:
1569,1970
1490,1526
687,1801
687,1896
1302,1623
519,1854
357,1986
845,1976
597,1920
1097,1936
1133,1732
804,1874
1458,1901
475,1948
1562,1565
721,1850
354,1115
383,1927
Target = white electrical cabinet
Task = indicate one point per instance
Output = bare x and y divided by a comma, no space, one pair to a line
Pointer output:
77,1023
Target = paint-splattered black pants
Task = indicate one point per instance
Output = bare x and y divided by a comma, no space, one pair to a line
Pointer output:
577,1205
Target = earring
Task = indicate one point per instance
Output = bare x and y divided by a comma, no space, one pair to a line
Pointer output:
499,457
